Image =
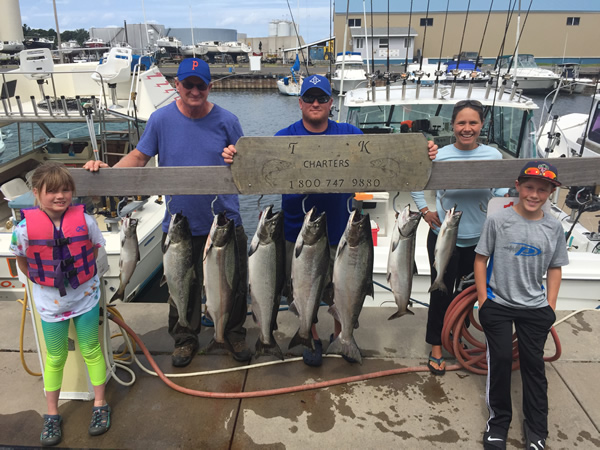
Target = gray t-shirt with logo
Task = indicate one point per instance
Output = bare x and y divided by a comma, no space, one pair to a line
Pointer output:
521,251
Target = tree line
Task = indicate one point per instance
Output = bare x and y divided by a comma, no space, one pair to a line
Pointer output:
80,35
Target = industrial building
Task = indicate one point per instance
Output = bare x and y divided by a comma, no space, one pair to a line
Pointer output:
566,34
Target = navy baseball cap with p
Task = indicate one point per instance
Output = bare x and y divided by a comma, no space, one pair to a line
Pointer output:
193,67
316,82
541,170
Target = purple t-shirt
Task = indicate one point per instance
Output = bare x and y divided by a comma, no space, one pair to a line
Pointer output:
335,205
181,141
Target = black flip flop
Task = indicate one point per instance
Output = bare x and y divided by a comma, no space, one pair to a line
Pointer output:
439,362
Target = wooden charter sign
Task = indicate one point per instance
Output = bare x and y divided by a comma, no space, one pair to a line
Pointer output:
309,164
320,164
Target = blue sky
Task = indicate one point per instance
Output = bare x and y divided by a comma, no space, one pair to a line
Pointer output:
246,16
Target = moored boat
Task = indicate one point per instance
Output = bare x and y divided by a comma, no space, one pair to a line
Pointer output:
169,44
38,42
94,43
349,67
11,47
291,85
48,121
527,74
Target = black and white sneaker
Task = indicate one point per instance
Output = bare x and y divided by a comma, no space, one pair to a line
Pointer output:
493,440
532,440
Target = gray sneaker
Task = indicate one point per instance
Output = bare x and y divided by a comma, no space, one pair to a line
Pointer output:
52,432
100,420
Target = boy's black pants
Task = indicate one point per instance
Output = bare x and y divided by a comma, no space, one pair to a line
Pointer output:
532,327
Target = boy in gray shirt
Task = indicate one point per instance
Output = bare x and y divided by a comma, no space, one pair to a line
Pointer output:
522,245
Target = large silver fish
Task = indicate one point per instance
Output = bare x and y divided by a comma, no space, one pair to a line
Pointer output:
130,255
266,275
310,263
178,265
221,275
444,246
401,260
352,282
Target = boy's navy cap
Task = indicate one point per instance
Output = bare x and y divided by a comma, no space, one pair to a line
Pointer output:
318,82
542,170
193,67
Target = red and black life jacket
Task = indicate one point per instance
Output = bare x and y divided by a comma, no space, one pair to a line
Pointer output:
57,256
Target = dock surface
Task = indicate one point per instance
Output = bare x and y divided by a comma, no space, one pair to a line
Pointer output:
412,411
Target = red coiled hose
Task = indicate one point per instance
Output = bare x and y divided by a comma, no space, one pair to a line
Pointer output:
474,359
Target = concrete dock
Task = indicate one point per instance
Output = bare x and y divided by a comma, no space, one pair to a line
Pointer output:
408,411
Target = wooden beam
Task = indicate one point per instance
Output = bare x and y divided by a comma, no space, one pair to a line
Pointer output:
278,165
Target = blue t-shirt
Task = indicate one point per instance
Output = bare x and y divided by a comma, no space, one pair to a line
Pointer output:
181,141
335,205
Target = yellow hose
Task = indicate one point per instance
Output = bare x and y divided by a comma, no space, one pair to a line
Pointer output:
121,356
29,371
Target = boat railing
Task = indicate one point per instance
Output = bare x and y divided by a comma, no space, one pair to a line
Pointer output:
50,104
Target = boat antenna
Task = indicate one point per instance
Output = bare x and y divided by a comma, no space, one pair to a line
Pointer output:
520,34
474,73
298,38
438,72
404,75
372,39
192,31
408,46
455,71
484,33
366,35
424,37
509,13
388,40
341,93
495,72
329,44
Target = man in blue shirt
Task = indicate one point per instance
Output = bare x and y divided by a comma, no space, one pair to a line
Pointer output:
192,131
315,103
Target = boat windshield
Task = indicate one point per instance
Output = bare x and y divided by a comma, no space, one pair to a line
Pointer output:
512,130
594,133
70,138
524,61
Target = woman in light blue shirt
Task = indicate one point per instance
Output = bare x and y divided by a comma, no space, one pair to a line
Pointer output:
467,122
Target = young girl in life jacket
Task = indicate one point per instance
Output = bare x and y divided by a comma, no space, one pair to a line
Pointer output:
56,245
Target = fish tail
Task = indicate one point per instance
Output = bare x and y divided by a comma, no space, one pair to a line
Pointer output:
348,349
216,347
268,349
298,340
400,313
438,284
119,295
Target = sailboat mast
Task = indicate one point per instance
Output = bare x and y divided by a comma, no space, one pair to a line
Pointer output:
341,93
517,39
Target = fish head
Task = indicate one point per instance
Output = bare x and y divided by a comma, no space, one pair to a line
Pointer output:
222,230
453,217
408,221
270,225
179,228
358,228
314,226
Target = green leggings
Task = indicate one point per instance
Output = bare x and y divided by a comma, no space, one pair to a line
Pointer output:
56,336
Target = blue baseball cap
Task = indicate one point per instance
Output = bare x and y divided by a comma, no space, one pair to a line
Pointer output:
193,67
318,82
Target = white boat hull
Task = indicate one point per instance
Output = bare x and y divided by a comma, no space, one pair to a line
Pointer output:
291,88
